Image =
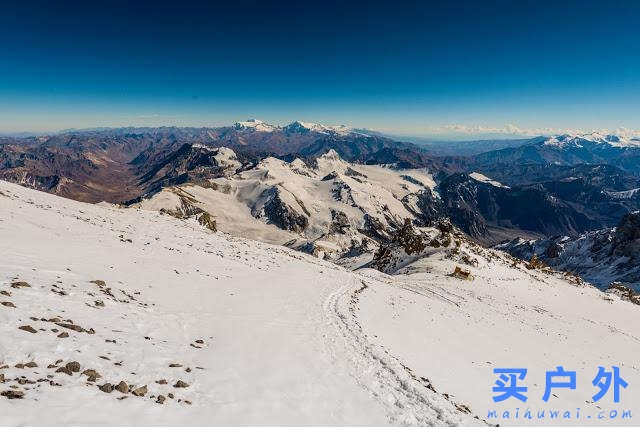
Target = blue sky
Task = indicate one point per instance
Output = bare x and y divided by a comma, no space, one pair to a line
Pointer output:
412,68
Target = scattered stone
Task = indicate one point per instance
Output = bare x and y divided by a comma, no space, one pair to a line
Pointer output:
100,283
140,391
181,384
199,341
175,365
161,399
163,382
17,285
535,263
73,366
99,304
12,394
122,387
28,328
64,370
5,293
70,326
122,397
170,395
1,378
63,335
51,366
461,274
188,370
188,402
104,357
8,304
19,366
106,387
31,365
92,374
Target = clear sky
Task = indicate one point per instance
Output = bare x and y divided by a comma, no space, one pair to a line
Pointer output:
417,68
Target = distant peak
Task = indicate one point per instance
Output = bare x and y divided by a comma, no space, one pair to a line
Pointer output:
255,125
303,127
577,140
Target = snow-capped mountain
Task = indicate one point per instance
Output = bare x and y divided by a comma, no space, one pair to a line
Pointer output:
569,149
132,317
255,125
303,127
327,206
294,127
594,138
601,257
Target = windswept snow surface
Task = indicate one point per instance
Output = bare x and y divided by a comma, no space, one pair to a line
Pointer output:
287,339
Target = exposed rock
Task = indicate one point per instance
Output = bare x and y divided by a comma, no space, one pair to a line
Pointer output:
278,212
162,381
63,335
175,365
140,391
624,292
206,221
461,274
199,341
106,387
553,250
27,328
626,239
31,365
17,285
181,384
535,263
122,387
5,293
161,399
12,394
8,304
73,366
70,326
64,370
92,374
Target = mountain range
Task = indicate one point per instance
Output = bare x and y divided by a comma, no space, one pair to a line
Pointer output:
333,190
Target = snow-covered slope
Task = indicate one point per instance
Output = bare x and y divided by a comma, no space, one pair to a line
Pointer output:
268,336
